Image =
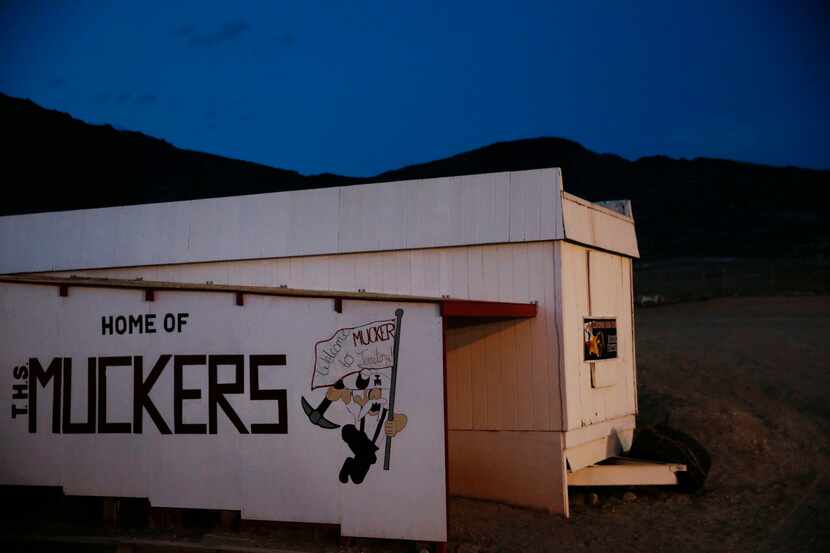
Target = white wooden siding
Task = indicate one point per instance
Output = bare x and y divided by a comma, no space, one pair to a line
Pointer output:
610,296
500,376
467,210
520,468
597,226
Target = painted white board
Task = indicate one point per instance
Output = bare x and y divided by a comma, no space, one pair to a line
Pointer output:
518,360
292,470
592,224
454,211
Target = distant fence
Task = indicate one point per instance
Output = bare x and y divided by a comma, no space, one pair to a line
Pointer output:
689,279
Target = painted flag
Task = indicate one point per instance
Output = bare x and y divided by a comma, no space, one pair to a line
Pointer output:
369,347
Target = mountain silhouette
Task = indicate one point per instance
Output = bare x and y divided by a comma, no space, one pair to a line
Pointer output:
683,208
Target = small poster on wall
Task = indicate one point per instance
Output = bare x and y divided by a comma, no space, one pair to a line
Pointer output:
600,339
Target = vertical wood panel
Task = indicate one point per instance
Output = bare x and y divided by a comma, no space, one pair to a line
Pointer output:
632,382
501,207
534,207
541,344
521,340
361,271
503,375
607,293
522,353
352,232
491,271
458,273
452,392
414,216
315,273
475,261
518,199
550,218
466,202
419,272
457,199
574,307
622,399
314,217
478,368
557,337
342,270
465,382
376,263
433,207
490,207
496,397
445,272
520,267
616,300
551,315
432,273
389,270
240,272
65,226
610,296
520,468
403,264
505,288
282,271
601,298
505,343
389,210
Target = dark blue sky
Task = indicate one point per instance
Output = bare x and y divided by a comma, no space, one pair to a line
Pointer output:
361,87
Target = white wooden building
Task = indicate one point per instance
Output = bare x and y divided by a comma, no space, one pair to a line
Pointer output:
524,407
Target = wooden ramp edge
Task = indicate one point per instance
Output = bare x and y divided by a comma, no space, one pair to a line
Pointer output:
623,471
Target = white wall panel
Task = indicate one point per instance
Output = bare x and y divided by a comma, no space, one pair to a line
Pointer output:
289,474
454,211
551,273
610,296
597,226
520,468
506,373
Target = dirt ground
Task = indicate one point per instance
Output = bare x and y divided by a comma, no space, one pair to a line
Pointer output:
748,377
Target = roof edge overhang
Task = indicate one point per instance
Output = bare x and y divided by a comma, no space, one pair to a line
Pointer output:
596,226
465,311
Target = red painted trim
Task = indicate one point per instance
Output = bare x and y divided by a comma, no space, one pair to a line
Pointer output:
470,308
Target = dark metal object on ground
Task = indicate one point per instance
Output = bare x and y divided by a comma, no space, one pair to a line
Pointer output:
665,444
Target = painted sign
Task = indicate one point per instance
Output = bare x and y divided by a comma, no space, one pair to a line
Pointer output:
353,365
279,408
599,339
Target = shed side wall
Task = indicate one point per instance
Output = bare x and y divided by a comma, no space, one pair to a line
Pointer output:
606,293
501,376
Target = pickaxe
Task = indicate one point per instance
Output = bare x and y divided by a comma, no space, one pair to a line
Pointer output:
316,416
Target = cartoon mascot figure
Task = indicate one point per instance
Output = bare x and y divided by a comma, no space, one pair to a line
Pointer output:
366,402
354,367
